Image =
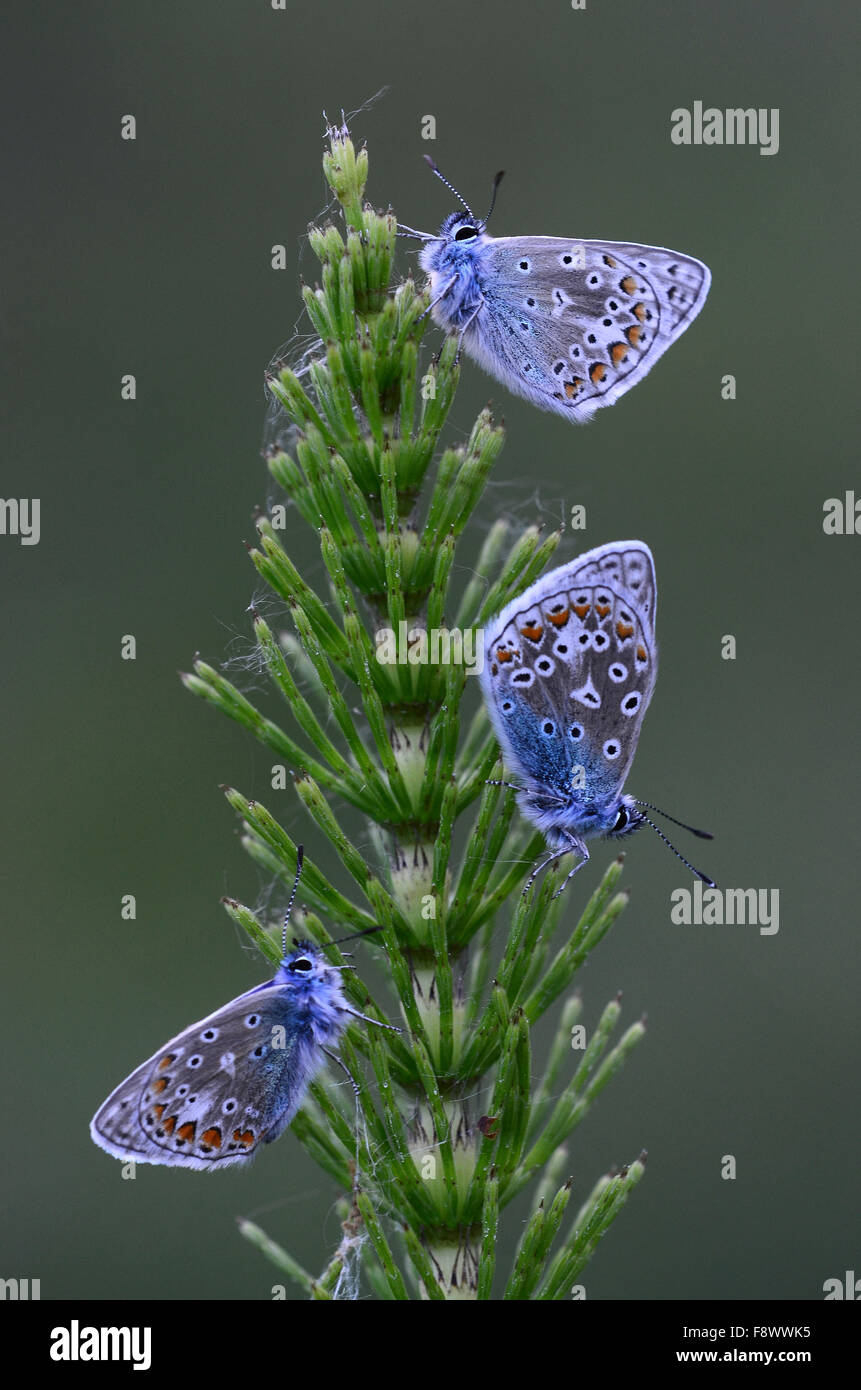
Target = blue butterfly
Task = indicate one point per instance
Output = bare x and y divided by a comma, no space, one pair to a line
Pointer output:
571,325
569,669
222,1087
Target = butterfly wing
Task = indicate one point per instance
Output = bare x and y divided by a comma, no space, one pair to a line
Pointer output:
213,1094
570,667
574,325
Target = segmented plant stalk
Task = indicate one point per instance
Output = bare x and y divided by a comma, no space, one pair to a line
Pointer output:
379,714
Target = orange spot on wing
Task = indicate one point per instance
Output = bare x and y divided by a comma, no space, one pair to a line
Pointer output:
633,334
186,1131
166,1061
640,311
597,372
212,1137
533,632
628,284
503,655
572,387
558,619
169,1125
641,654
160,1084
602,609
581,609
244,1137
158,1111
618,353
608,260
624,630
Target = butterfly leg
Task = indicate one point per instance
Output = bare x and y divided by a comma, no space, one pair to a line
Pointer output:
360,1119
404,230
343,1065
442,294
479,306
376,1022
574,846
580,848
551,859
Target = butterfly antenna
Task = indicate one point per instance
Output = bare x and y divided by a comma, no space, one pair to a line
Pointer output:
703,834
688,865
450,186
496,182
300,858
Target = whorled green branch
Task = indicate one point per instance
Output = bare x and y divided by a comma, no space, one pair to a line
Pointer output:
470,959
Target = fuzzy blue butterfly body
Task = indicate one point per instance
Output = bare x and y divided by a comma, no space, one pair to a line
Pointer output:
570,325
468,261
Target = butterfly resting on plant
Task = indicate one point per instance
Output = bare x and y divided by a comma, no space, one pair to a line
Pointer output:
569,669
222,1087
569,324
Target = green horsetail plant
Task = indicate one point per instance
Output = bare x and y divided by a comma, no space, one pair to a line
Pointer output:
376,719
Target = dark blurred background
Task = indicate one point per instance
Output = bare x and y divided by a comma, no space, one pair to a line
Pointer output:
153,258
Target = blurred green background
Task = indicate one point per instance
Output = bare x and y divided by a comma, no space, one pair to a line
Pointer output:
153,258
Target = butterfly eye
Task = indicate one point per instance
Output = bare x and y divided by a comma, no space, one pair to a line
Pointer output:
302,964
621,820
466,232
